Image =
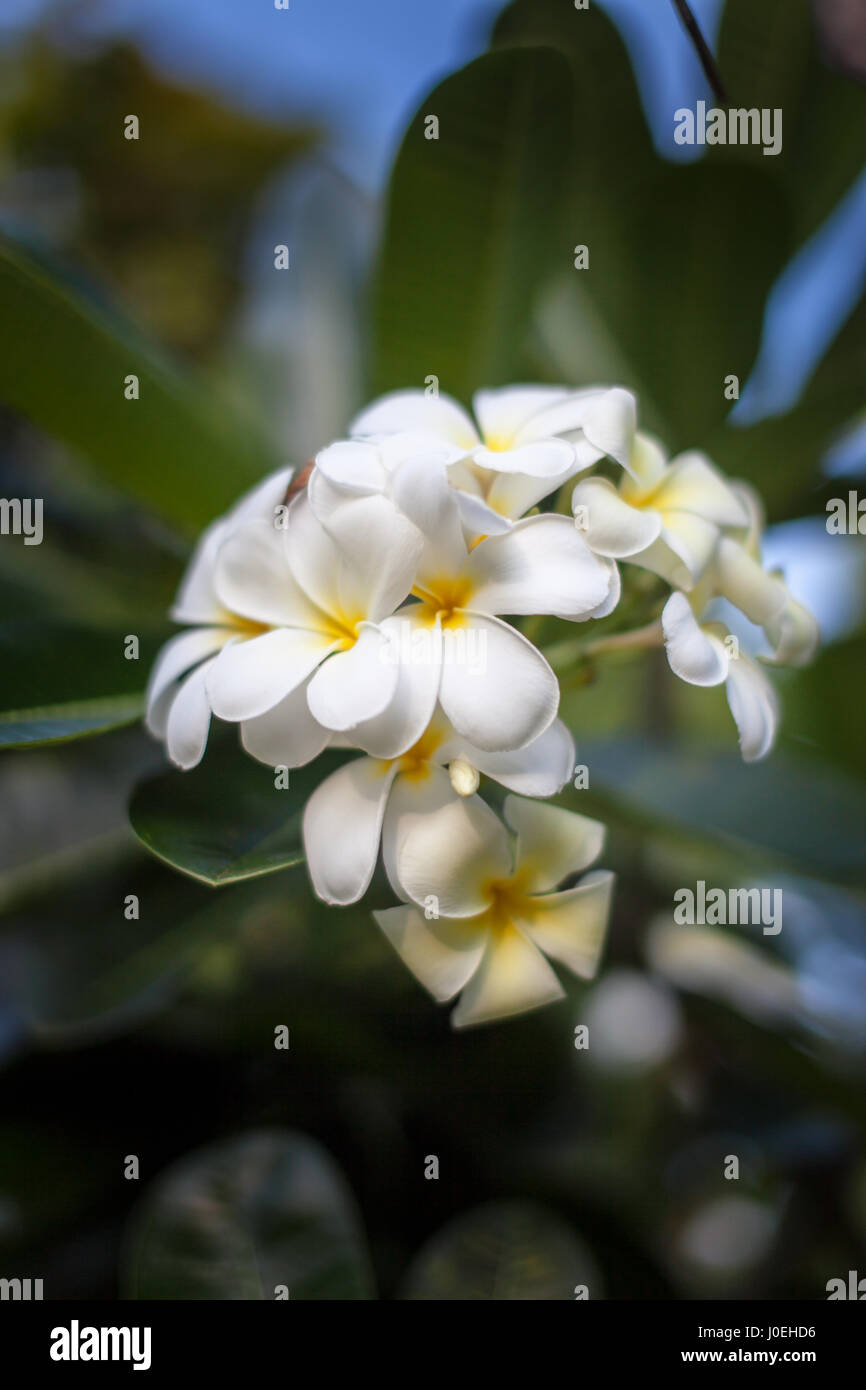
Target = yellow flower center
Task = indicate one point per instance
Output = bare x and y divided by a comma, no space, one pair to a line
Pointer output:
341,627
415,762
445,598
508,898
499,443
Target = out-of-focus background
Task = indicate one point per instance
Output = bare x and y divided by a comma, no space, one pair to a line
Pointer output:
152,1038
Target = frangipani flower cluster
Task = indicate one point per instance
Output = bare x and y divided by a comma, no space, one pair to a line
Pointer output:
372,606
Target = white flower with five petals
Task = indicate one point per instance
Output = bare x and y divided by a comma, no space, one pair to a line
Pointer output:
325,595
666,517
508,695
529,440
703,654
483,917
376,798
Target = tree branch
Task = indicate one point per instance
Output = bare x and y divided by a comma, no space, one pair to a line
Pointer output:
708,62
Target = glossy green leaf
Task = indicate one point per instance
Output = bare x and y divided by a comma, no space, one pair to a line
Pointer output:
782,454
59,682
682,290
263,1216
64,361
795,812
93,970
772,57
505,1251
681,257
226,820
473,224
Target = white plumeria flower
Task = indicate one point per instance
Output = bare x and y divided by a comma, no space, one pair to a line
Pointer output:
494,686
737,574
373,798
703,654
482,918
529,440
326,596
666,517
178,710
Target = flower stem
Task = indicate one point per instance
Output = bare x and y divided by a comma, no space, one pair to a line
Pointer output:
702,48
564,655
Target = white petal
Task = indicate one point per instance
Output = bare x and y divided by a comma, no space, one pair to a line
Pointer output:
661,560
753,507
313,555
342,825
502,413
179,654
287,735
755,706
422,491
395,449
689,537
410,710
548,459
514,494
614,593
645,467
446,857
354,685
197,600
253,579
400,411
380,549
353,466
188,720
250,676
693,484
551,842
610,525
513,977
694,655
415,796
325,498
542,768
606,418
543,565
478,516
570,927
442,955
261,502
794,635
507,695
746,584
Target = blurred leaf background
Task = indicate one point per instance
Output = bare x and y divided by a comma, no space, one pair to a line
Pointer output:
154,1037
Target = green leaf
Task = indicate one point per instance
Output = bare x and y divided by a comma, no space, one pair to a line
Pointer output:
683,290
801,436
472,225
796,813
63,364
241,1218
681,257
609,114
60,682
505,1251
226,820
92,972
771,58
